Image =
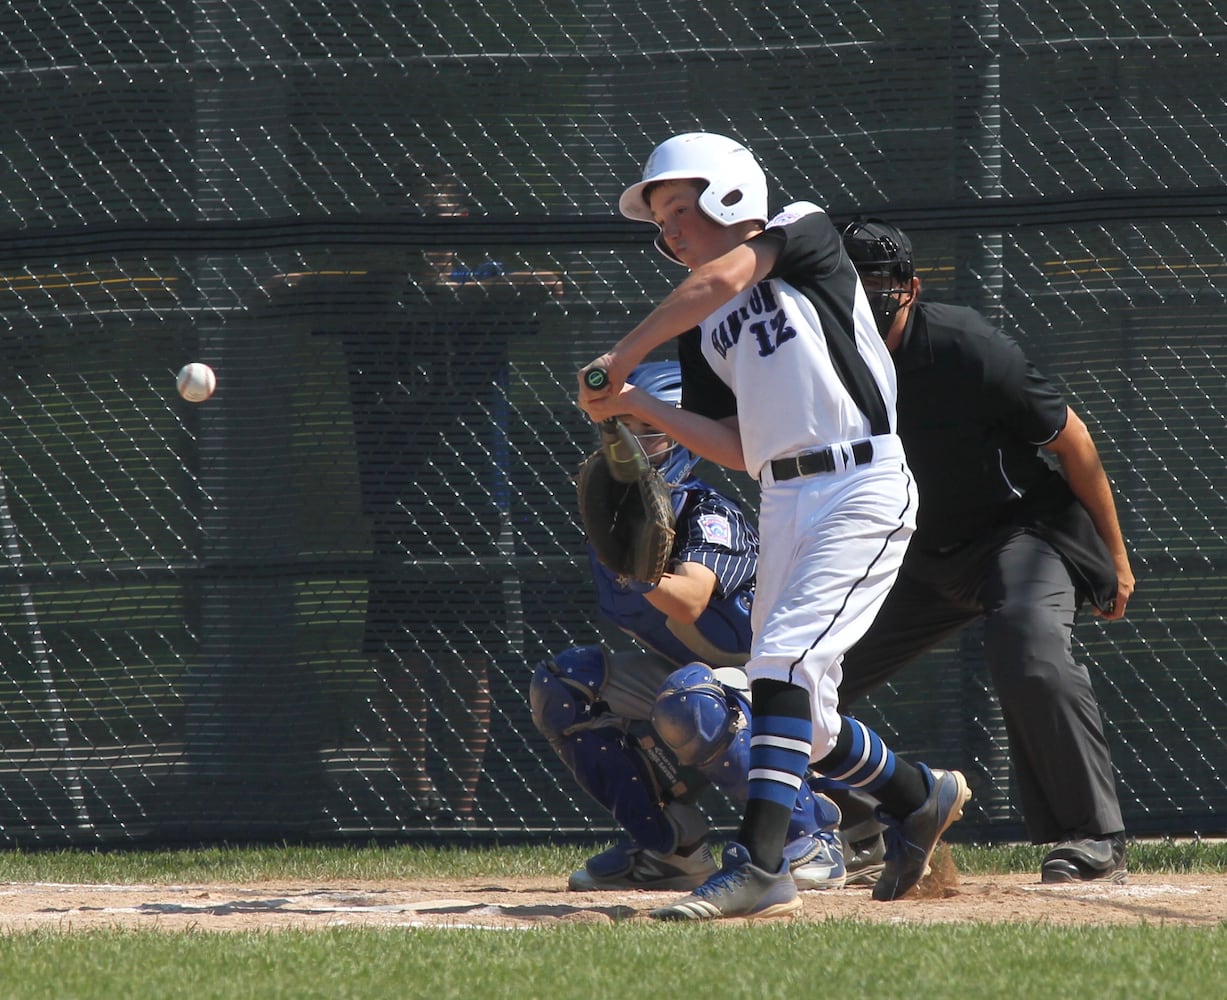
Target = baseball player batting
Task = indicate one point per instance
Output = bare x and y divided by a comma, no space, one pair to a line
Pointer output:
784,376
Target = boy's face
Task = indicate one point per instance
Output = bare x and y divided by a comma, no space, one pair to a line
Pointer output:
693,238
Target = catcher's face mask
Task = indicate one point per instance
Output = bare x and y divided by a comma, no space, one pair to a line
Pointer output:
657,445
663,379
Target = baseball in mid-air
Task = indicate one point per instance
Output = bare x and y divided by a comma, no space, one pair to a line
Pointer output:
196,382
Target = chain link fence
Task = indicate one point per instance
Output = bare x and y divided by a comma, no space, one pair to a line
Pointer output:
309,607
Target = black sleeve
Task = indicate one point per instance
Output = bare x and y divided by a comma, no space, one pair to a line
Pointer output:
703,392
811,258
1025,402
809,248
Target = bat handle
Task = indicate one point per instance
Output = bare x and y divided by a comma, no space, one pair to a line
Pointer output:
596,378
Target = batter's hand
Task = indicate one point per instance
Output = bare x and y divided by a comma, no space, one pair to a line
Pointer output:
593,391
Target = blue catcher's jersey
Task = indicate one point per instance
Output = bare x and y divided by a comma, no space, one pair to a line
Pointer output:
712,531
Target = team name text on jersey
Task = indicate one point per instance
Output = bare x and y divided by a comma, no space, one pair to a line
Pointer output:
769,331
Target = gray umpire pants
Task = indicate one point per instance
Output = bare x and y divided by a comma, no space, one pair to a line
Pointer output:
1022,588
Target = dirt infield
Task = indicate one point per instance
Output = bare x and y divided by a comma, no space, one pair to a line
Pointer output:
946,897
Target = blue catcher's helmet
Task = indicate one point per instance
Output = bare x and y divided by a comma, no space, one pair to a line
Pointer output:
693,716
663,379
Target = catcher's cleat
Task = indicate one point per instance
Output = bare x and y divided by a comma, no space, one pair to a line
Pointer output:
910,842
864,860
1086,859
739,889
627,866
816,862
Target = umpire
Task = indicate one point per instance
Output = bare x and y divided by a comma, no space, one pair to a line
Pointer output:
1001,535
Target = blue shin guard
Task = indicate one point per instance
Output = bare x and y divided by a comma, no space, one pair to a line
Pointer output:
598,747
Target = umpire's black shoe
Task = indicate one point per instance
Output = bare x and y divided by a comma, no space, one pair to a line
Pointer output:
864,860
1086,859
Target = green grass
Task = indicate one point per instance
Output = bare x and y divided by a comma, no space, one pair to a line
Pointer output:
773,959
330,863
786,959
271,863
1159,857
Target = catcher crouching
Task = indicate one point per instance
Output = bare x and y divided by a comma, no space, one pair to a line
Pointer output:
645,731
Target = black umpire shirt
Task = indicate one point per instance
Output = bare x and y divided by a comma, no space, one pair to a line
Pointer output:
973,412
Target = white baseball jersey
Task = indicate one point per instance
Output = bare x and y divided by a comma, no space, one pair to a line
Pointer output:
771,347
799,360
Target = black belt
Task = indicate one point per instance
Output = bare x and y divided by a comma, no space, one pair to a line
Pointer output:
814,462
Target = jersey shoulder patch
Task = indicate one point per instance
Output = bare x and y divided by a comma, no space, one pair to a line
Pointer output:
791,213
716,529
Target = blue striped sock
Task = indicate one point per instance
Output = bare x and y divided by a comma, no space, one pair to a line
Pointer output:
780,748
867,763
781,738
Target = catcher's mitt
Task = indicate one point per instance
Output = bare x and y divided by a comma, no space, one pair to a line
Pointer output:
626,508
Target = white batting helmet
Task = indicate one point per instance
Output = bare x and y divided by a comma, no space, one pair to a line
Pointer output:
736,188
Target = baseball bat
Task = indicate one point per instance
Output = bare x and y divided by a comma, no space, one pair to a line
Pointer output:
623,453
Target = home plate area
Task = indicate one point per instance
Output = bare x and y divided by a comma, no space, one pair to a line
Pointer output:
1197,900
